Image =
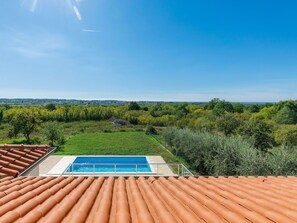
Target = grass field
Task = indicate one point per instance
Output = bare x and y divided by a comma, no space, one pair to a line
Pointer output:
69,129
115,143
100,138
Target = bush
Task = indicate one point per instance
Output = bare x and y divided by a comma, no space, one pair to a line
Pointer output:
210,154
150,130
133,120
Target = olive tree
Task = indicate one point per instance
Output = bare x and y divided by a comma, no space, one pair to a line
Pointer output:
53,133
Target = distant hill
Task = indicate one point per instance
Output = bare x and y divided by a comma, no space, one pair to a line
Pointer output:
33,101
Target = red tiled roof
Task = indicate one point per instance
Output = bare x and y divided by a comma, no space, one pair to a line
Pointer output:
16,158
148,200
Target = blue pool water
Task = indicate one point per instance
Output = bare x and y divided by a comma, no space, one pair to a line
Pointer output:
110,164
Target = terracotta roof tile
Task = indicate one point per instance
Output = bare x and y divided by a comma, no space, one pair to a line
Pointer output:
141,200
16,158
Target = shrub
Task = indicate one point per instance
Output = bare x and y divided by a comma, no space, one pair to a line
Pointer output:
150,130
133,120
211,154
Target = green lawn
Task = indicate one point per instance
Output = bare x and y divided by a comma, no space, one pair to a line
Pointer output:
115,143
101,138
69,129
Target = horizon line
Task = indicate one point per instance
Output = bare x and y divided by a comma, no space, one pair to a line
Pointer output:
122,100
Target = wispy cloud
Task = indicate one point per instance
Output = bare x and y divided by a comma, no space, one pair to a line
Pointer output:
90,30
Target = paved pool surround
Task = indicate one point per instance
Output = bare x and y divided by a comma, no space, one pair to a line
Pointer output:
56,166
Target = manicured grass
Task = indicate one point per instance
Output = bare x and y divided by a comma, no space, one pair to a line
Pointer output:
115,143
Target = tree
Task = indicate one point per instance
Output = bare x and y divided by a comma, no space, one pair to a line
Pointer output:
133,106
239,108
223,106
182,110
50,107
228,123
260,131
1,115
212,103
52,132
286,116
254,108
25,123
287,135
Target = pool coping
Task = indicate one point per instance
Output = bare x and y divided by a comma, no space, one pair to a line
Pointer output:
61,166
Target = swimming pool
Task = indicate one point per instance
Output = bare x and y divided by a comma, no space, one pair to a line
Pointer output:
105,164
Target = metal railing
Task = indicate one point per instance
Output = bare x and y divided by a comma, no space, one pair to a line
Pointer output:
161,169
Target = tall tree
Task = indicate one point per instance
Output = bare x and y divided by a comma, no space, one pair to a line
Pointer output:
223,106
50,106
260,131
286,116
1,115
25,123
133,106
228,123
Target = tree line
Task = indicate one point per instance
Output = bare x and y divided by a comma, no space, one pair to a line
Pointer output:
266,125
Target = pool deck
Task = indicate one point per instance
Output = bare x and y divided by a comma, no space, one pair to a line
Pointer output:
55,165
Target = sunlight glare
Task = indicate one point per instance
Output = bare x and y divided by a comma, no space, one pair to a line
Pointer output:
33,5
73,5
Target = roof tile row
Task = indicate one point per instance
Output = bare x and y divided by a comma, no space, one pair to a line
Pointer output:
148,200
16,158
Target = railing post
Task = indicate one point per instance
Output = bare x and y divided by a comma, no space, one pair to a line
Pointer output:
158,168
136,169
182,170
94,168
178,166
115,168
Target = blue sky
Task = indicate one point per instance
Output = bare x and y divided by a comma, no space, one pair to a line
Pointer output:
149,49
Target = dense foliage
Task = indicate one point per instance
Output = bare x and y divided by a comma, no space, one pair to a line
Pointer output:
211,154
266,125
216,138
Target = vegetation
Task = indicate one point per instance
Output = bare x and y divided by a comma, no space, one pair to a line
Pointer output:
24,122
239,133
150,130
115,143
53,133
210,154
